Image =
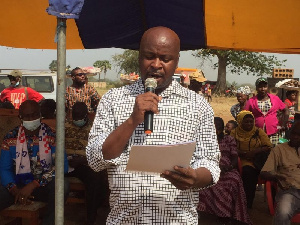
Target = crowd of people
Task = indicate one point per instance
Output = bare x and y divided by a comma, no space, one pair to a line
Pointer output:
27,160
224,170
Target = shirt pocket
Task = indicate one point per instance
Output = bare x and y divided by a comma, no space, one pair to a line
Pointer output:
180,123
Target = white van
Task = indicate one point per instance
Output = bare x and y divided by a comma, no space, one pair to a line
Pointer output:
43,82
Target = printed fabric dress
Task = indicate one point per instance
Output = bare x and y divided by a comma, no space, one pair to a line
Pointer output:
227,197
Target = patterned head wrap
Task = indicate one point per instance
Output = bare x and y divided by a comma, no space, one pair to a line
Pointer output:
244,90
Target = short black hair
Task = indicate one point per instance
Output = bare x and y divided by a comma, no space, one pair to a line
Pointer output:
79,109
290,92
48,107
73,71
235,124
7,105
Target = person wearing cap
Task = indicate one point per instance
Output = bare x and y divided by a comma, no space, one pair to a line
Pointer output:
16,93
242,96
265,107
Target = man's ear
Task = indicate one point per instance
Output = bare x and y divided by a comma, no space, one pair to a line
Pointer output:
178,60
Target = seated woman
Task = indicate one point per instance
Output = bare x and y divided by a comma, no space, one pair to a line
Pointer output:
227,198
251,141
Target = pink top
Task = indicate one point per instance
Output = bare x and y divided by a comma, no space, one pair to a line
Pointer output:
270,119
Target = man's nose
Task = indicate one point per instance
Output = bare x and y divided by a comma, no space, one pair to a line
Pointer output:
156,63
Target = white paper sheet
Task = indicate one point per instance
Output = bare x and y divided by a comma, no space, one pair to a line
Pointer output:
158,158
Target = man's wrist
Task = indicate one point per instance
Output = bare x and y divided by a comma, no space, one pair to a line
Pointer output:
11,186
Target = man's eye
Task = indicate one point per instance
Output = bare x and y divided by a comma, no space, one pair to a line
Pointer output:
149,57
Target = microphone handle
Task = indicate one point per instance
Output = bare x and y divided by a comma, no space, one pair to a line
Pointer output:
148,118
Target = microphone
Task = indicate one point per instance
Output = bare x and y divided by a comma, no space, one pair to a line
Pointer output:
150,85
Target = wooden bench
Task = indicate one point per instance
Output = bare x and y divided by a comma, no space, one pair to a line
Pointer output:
76,185
30,212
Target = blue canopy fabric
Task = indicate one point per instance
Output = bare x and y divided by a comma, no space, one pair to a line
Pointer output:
119,23
68,9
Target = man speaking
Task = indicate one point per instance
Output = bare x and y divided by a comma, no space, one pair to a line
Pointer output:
180,115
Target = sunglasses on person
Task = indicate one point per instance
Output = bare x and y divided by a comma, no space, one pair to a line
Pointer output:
80,74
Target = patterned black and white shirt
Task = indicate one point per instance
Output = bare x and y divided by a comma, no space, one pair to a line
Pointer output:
138,198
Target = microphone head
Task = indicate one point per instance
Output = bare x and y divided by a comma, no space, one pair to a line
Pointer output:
150,83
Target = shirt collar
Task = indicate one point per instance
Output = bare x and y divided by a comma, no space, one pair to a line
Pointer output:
174,88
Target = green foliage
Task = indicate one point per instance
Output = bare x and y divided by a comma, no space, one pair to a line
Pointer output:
53,66
104,65
128,62
237,62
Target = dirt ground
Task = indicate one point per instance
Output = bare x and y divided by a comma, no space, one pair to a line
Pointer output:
221,107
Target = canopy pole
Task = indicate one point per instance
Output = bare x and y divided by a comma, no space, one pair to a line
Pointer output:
60,122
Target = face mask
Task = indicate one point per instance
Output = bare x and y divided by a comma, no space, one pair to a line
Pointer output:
32,125
79,123
16,85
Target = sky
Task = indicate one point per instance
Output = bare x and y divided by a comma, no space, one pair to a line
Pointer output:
13,58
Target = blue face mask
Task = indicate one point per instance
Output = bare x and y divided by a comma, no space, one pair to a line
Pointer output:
80,123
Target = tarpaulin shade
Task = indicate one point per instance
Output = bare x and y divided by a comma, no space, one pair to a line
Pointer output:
254,25
26,24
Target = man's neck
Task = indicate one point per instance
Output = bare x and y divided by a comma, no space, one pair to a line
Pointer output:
32,133
18,87
78,86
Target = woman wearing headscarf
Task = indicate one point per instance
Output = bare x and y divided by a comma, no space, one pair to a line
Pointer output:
226,199
242,95
265,108
252,142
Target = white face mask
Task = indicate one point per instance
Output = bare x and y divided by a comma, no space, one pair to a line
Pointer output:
16,85
32,125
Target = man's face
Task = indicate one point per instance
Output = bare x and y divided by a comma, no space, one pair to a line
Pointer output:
262,88
295,136
79,78
158,59
13,80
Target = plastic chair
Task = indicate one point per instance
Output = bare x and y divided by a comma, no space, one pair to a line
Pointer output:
269,186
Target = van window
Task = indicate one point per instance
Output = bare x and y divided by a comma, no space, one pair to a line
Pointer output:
4,82
39,83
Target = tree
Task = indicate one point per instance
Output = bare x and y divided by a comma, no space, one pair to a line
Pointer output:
53,66
128,62
104,65
237,62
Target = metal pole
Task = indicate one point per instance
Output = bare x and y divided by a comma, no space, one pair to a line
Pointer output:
60,122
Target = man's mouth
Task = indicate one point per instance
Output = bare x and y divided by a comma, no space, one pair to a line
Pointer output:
155,75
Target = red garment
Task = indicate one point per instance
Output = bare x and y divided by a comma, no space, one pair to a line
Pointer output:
17,95
289,103
227,197
291,108
270,119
